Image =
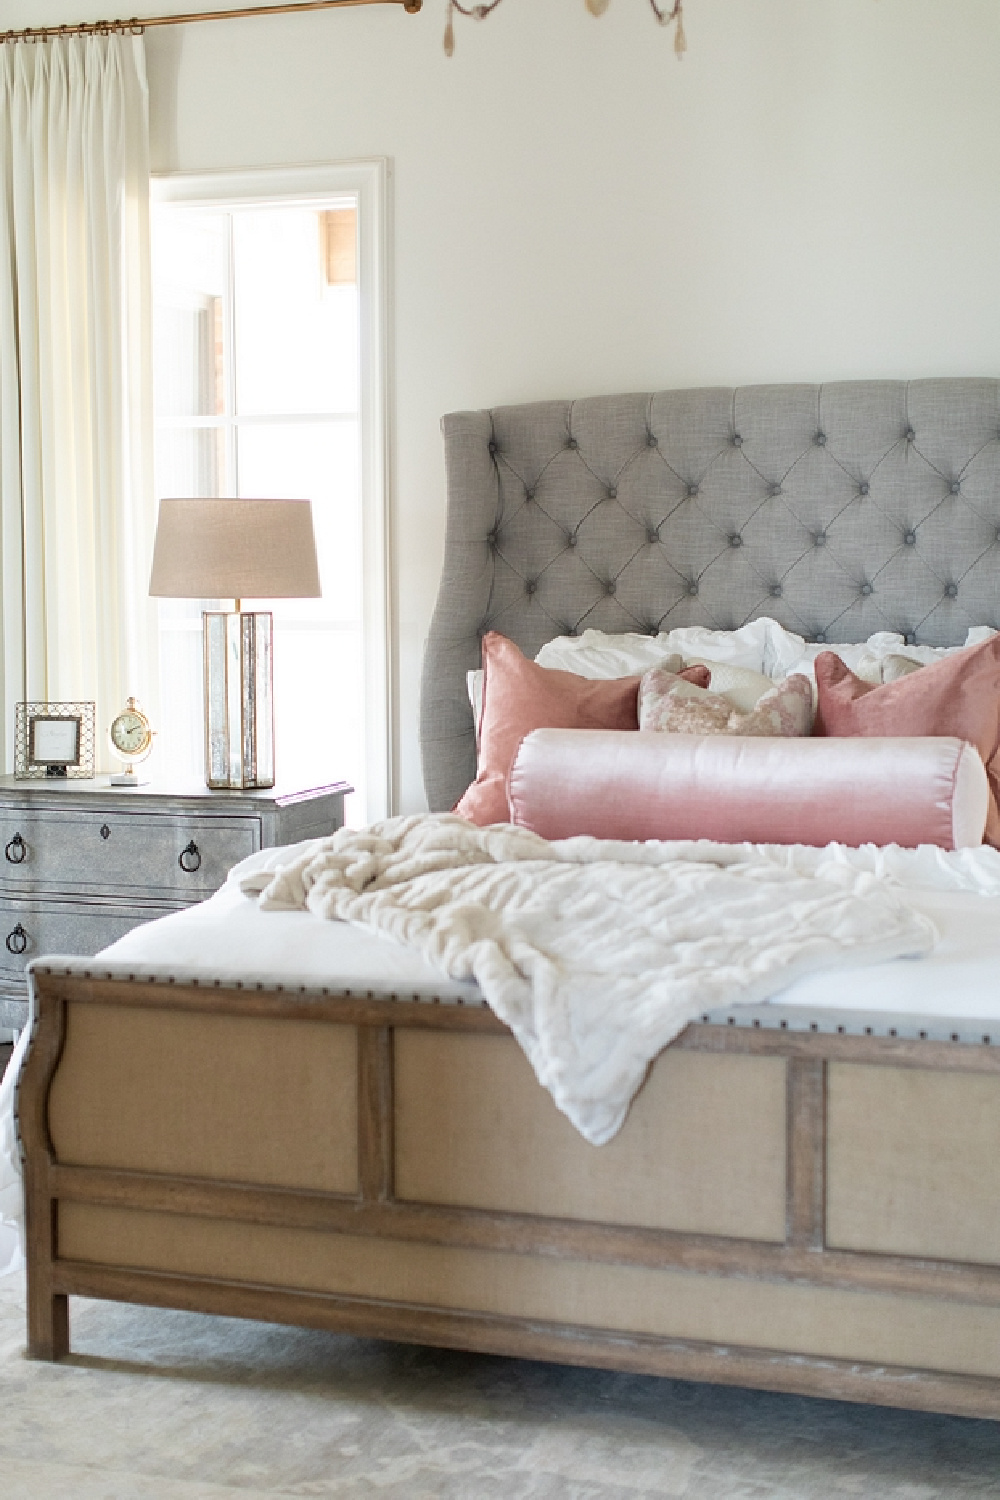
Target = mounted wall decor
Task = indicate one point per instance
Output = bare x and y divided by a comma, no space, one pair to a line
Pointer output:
665,14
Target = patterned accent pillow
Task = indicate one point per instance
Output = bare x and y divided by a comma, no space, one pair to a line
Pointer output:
668,703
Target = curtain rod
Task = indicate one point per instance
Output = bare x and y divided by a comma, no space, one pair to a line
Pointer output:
138,24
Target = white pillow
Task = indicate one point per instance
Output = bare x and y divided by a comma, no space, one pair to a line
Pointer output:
741,687
595,654
868,655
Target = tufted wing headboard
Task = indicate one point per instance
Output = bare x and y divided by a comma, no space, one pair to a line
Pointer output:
838,509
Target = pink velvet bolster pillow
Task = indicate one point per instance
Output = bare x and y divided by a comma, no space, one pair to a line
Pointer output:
958,696
763,790
519,696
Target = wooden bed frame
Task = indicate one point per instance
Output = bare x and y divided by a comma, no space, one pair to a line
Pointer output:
801,1210
89,1183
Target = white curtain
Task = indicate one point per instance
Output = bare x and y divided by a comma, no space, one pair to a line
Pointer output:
76,497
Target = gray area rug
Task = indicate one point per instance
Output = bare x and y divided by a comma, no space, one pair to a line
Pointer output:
173,1406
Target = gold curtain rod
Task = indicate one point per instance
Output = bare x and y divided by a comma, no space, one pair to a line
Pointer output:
138,24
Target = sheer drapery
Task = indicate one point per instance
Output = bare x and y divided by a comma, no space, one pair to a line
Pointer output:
76,504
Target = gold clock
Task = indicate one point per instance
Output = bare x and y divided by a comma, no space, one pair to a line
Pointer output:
131,736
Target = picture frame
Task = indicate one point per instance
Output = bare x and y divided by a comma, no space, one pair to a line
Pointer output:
54,741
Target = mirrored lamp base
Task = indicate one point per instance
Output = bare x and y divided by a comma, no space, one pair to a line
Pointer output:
239,716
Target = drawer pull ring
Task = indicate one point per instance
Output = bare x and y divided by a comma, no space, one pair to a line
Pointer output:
16,851
189,858
105,831
17,940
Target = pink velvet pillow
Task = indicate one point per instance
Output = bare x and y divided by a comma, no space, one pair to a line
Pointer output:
958,696
519,696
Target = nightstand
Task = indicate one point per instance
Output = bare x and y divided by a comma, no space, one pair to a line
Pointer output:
84,861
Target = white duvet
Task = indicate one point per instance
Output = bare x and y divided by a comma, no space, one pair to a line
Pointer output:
596,954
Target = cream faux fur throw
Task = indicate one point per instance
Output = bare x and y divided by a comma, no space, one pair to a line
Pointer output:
595,954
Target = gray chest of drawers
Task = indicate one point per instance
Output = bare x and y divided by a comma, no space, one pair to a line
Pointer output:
86,861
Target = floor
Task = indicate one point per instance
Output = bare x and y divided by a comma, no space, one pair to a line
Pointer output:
174,1406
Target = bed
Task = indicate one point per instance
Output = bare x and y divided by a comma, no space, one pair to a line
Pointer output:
805,1195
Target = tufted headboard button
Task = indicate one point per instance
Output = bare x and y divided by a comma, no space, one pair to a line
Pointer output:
820,638
652,535
610,586
819,539
737,440
571,538
910,538
652,441
776,591
820,440
693,589
735,540
864,488
865,590
612,492
529,494
572,443
909,435
951,592
774,490
493,446
956,488
530,585
692,491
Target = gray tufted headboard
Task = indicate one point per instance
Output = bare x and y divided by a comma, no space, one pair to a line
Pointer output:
839,510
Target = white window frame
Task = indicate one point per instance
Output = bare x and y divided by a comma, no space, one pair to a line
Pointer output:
369,182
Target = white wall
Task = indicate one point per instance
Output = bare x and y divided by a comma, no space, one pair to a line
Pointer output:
813,193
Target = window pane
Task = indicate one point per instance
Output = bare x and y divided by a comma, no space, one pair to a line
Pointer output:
318,709
191,267
315,461
295,335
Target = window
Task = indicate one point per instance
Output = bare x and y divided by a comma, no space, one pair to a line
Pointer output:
269,383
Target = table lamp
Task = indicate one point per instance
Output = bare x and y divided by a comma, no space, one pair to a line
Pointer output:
236,549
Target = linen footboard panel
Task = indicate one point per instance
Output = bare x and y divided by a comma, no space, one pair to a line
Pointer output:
817,1213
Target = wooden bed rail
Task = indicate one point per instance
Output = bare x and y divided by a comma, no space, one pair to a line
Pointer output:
374,1211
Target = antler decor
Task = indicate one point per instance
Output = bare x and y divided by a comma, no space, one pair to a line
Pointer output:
663,13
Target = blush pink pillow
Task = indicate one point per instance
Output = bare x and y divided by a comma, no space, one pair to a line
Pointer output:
959,696
519,696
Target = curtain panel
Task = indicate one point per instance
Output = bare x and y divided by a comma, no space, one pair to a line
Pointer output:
76,494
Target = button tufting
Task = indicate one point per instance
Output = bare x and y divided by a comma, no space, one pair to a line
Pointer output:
572,443
571,538
820,638
951,592
652,442
652,535
865,590
530,585
776,591
909,435
820,440
864,488
491,537
610,586
998,533
493,447
909,638
612,492
819,539
737,440
692,491
773,490
910,539
692,589
529,494
956,488
736,540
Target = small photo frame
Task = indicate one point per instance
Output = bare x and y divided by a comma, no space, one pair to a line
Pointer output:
54,741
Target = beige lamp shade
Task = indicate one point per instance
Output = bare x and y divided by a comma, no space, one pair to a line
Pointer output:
235,549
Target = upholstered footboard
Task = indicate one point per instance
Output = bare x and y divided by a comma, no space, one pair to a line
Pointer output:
798,1212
